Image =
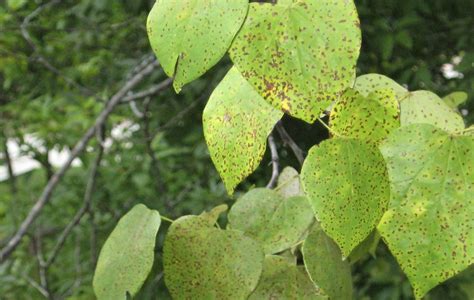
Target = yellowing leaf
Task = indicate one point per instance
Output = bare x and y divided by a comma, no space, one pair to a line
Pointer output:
368,83
300,55
237,122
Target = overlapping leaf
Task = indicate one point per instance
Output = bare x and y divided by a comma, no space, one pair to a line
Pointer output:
455,99
277,222
324,263
288,184
127,256
369,118
368,83
237,122
429,224
347,184
300,55
203,262
282,279
426,107
191,36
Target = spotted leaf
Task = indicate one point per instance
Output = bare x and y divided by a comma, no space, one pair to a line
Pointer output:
203,262
127,255
368,83
325,265
369,118
347,185
427,108
300,55
237,122
191,36
429,225
277,222
282,279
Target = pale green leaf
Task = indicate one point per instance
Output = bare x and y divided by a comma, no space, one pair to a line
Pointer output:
429,223
282,279
209,263
288,184
127,256
237,122
370,118
300,55
455,99
427,108
277,222
347,184
369,83
325,265
191,36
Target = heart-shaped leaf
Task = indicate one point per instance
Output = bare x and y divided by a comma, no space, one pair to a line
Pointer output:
191,36
289,183
237,122
127,256
324,263
369,118
347,184
300,55
203,262
266,216
368,83
429,223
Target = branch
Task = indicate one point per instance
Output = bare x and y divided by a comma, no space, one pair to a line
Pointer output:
287,140
78,148
155,89
275,159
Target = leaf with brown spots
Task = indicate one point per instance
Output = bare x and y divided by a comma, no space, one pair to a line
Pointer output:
266,216
203,262
455,99
424,107
368,83
429,226
299,55
370,118
191,36
237,122
347,185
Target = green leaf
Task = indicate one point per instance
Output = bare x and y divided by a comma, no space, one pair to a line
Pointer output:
429,223
427,108
266,216
369,118
325,265
347,184
208,263
127,256
300,55
237,122
284,280
191,36
367,246
369,83
16,4
288,184
455,99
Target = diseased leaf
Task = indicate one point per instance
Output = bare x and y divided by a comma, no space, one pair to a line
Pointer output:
299,55
369,118
209,263
429,224
266,216
325,265
455,99
427,108
127,256
283,280
237,122
191,36
368,83
347,184
289,183
367,246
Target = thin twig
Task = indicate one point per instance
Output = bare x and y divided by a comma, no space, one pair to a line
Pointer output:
153,90
288,140
81,212
78,148
42,270
275,162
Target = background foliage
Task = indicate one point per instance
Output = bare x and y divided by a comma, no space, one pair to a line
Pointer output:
85,50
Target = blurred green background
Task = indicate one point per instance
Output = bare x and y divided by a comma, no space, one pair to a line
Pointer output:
97,44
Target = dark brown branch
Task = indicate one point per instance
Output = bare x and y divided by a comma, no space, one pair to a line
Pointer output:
287,140
275,162
78,148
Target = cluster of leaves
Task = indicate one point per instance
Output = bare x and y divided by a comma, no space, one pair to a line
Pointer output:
397,164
